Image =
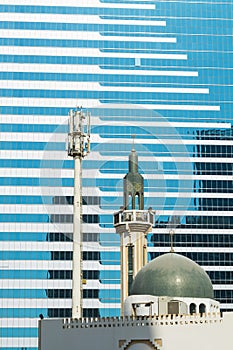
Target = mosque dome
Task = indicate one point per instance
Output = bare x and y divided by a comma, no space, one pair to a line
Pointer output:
172,275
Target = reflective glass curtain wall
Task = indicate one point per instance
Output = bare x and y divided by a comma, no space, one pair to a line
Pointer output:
159,69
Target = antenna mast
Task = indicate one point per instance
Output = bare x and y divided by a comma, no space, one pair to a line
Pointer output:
78,148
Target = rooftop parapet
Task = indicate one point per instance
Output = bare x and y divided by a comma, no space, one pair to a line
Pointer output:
143,321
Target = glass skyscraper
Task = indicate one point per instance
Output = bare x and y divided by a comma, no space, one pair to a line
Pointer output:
161,70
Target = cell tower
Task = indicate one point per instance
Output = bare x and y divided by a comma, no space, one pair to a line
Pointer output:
78,148
133,223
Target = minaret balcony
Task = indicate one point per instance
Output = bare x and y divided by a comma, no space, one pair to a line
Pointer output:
134,221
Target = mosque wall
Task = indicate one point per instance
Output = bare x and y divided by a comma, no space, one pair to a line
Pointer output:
160,333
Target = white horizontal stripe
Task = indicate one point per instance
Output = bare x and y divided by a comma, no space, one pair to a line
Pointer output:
49,210
225,306
192,249
40,191
36,246
199,125
186,195
35,284
54,246
78,19
92,209
157,140
95,121
44,120
81,3
96,265
19,342
54,265
38,173
36,119
183,213
49,227
93,86
163,123
25,265
80,35
34,137
34,303
37,265
90,173
95,303
90,247
191,231
52,303
91,69
88,103
95,138
85,52
177,107
19,322
217,268
43,102
43,209
96,156
92,228
36,227
43,155
155,194
53,284
90,191
95,284
223,287
194,213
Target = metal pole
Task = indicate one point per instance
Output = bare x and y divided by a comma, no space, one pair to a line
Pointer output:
78,148
77,243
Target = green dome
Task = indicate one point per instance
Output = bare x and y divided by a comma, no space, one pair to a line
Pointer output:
172,275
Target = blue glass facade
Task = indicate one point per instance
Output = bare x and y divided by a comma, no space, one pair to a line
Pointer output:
159,69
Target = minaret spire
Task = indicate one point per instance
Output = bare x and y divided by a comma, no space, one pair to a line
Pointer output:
133,223
133,183
133,160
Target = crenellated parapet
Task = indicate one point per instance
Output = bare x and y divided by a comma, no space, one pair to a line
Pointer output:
143,321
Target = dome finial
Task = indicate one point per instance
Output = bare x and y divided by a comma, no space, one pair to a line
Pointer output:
173,222
171,233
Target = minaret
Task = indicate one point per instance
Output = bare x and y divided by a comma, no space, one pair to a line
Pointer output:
133,223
